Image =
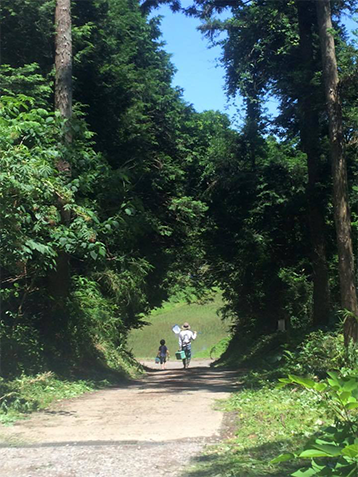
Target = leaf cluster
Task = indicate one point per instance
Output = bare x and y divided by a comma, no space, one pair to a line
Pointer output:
335,450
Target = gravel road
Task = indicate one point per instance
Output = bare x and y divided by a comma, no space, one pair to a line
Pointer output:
148,428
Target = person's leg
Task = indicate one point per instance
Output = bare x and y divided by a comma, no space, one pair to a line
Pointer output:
187,351
161,362
188,355
184,359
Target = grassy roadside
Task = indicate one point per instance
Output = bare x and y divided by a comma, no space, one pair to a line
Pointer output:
266,422
25,394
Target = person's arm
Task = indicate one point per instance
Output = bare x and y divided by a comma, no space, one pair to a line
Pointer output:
180,341
194,335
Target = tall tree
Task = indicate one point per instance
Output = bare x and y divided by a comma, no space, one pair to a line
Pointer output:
339,172
63,58
271,47
308,112
59,279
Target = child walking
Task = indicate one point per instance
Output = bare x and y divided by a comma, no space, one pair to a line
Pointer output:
163,354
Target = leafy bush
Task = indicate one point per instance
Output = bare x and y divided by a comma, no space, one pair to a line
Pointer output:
334,451
21,340
320,352
94,322
298,299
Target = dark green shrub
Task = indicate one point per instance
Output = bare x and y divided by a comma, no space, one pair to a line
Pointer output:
21,349
320,352
334,451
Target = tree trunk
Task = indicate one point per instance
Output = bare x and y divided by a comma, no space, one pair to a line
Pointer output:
60,278
310,139
63,59
253,114
339,172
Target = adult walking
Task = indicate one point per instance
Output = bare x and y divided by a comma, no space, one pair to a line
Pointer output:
186,336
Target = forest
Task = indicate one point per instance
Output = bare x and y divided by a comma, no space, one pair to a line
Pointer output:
116,194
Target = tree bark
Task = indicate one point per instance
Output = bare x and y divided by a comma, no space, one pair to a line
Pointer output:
339,171
63,58
310,139
59,279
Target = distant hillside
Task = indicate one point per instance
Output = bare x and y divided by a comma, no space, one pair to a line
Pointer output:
204,319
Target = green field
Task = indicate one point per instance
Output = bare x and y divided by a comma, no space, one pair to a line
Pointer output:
203,318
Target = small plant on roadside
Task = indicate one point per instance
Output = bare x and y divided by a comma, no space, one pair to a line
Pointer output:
334,451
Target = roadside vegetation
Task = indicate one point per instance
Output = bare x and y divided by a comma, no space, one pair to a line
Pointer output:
24,394
266,423
291,415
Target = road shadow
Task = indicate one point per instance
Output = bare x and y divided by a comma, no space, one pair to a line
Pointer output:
249,462
196,378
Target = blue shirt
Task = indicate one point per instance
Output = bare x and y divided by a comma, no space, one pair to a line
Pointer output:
163,350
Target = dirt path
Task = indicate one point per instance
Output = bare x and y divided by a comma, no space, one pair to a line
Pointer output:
149,428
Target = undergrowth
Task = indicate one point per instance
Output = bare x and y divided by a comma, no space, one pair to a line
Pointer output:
25,394
269,357
267,421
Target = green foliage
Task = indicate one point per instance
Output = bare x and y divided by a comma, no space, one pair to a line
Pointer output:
25,394
34,19
257,240
261,423
298,297
33,233
335,450
22,341
134,228
219,348
31,185
96,329
26,80
140,121
268,357
95,321
319,352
